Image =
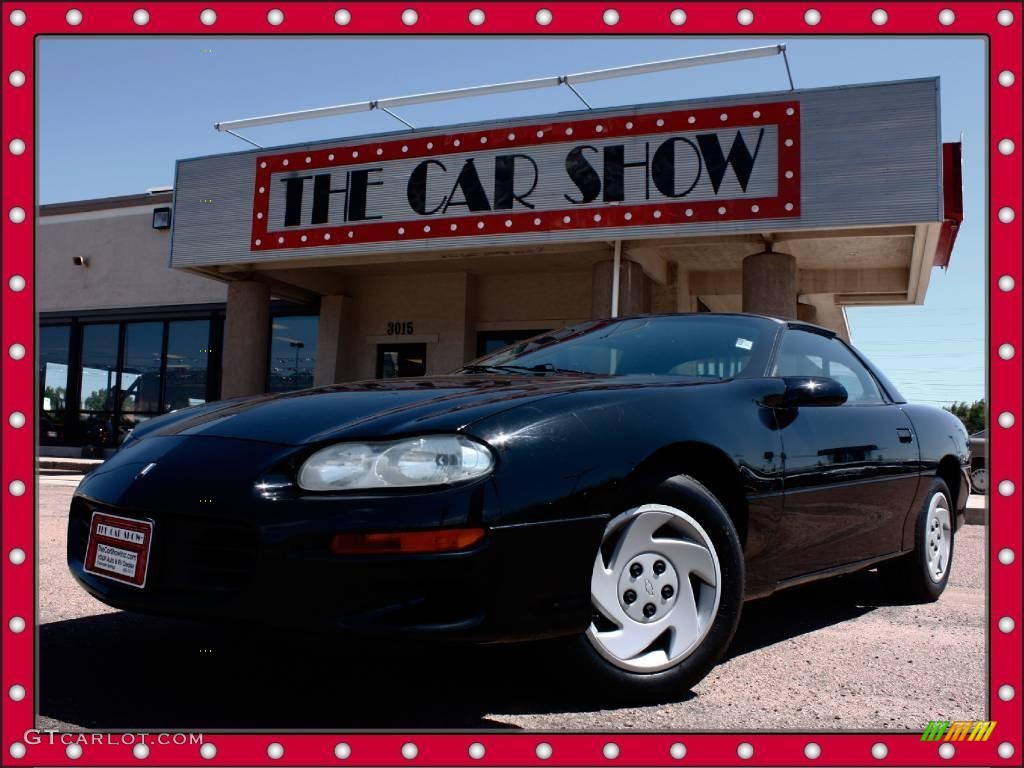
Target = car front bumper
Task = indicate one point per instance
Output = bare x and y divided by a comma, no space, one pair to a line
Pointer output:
520,582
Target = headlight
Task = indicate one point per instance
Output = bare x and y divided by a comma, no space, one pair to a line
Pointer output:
410,463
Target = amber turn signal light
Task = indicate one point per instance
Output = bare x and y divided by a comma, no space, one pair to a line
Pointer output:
405,542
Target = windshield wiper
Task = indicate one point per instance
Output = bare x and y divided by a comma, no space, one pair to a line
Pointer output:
501,369
542,368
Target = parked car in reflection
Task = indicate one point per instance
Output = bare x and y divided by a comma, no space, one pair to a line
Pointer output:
625,484
979,466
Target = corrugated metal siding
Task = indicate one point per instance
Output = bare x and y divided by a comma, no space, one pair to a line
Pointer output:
869,156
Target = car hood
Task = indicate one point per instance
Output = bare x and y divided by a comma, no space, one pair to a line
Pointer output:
376,409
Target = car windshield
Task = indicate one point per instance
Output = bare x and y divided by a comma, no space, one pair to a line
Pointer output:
702,345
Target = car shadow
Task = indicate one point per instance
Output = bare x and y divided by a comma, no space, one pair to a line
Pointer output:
129,671
807,608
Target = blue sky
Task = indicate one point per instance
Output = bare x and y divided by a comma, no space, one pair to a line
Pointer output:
115,113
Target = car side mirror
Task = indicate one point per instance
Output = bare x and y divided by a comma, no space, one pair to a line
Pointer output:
800,391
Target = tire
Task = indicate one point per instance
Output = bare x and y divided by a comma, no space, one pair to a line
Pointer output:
979,480
680,528
921,576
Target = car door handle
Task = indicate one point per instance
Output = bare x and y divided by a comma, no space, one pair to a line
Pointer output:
906,436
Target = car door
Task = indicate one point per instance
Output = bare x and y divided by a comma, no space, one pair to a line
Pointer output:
850,471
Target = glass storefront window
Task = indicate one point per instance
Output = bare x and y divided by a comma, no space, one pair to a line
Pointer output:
401,360
188,347
99,367
140,376
54,347
292,352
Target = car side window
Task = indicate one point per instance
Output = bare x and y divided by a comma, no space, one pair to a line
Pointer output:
803,353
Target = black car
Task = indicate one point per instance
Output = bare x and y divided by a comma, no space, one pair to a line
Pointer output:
628,482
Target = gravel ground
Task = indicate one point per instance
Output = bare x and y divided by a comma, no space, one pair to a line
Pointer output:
835,655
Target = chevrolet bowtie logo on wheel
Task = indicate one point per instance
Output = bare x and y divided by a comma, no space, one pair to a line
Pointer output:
958,730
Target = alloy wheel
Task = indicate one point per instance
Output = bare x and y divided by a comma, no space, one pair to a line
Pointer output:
938,537
655,588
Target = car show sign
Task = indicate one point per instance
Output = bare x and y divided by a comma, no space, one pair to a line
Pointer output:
816,159
741,162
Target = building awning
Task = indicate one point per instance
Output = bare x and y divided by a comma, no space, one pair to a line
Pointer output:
953,201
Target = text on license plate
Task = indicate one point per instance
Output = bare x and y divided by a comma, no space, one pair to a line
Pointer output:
119,548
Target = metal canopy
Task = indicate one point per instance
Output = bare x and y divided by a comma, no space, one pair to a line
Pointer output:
385,105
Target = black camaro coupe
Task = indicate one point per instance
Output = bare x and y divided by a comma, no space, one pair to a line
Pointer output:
627,482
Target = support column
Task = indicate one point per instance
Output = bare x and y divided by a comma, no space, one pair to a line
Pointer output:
246,336
807,313
769,284
634,289
332,342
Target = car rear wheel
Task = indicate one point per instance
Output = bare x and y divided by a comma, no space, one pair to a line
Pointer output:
979,480
922,575
666,589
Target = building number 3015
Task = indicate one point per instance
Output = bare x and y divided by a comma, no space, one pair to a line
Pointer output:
400,328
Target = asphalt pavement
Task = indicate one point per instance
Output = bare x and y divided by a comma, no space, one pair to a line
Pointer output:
828,656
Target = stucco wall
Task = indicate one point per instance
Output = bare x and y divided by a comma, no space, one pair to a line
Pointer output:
127,264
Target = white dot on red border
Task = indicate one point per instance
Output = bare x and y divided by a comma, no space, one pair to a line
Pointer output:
879,17
544,17
1006,420
410,17
140,751
477,17
208,17
16,625
16,78
73,17
141,17
16,283
678,17
17,17
610,17
1005,17
745,17
342,17
275,17
812,17
1007,78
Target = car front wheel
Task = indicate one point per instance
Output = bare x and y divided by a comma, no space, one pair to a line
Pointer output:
667,590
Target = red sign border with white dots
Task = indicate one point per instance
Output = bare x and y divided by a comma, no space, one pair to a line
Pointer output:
785,115
18,629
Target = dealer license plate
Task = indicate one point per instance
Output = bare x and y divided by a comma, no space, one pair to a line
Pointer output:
119,548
